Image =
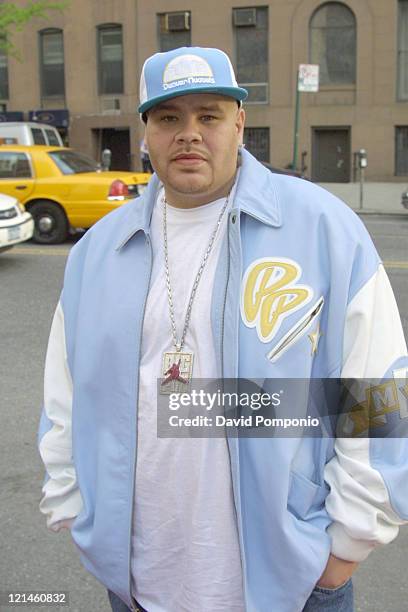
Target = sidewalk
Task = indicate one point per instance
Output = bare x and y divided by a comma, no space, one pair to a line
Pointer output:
378,198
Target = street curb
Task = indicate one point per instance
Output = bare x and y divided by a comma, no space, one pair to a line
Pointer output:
380,213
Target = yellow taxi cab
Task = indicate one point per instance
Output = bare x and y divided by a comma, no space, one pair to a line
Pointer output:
63,189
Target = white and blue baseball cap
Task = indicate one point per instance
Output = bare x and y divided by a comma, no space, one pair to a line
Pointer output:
184,71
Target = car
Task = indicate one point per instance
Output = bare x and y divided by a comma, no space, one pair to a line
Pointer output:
30,133
63,189
16,224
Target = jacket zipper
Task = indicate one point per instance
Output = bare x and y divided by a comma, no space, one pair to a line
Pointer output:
224,305
241,550
299,329
148,242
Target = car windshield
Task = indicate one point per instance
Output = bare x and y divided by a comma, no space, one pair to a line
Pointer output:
70,162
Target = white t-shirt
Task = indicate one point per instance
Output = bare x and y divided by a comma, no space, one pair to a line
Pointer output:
185,551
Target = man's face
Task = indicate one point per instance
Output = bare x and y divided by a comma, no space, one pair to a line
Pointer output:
193,144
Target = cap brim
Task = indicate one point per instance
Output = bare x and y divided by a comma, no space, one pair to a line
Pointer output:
238,93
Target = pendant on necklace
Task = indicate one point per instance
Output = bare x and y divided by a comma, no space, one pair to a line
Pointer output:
177,372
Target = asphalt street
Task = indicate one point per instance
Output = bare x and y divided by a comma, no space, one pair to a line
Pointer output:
34,559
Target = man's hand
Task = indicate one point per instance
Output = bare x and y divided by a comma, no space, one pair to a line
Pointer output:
337,572
64,524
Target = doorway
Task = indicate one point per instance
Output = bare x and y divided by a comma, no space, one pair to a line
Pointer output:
331,155
118,141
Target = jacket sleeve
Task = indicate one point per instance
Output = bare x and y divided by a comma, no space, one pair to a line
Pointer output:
61,500
368,478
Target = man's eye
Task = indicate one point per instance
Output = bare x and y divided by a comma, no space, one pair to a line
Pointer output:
168,118
208,118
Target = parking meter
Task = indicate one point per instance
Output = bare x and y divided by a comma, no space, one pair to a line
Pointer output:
362,164
362,158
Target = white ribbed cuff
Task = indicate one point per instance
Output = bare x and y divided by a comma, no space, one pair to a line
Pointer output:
347,548
58,507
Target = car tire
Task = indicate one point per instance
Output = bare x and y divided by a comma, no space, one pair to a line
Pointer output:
50,222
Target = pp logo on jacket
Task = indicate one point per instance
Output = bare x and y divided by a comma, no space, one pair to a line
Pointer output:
270,294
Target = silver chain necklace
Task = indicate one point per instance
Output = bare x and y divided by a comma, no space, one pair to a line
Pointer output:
178,365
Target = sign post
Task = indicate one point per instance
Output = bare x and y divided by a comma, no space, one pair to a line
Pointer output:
307,80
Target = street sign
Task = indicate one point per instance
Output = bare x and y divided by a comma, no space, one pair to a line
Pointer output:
307,81
308,78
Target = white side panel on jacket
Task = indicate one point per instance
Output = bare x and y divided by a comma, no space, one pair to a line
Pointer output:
359,502
62,498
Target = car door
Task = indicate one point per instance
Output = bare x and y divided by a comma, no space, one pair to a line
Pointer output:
16,174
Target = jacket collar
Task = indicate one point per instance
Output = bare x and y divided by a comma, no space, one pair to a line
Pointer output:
255,196
139,213
256,192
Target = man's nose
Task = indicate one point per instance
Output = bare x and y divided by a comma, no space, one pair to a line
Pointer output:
189,131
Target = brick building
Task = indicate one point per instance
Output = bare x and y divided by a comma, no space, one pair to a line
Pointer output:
80,70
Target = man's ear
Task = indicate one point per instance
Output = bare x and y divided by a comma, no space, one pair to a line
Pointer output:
240,123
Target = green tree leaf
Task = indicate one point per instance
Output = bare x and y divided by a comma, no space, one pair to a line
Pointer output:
13,18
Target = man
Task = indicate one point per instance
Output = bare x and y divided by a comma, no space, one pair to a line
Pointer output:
221,269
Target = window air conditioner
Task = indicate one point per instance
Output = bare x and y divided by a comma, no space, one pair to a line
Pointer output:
244,17
110,106
177,22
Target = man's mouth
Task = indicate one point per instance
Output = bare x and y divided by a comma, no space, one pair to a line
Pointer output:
188,159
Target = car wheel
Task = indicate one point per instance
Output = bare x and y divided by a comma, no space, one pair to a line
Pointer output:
50,223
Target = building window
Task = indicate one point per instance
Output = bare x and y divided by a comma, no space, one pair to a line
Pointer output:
110,59
402,86
4,87
333,43
251,51
174,30
401,150
257,142
52,63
